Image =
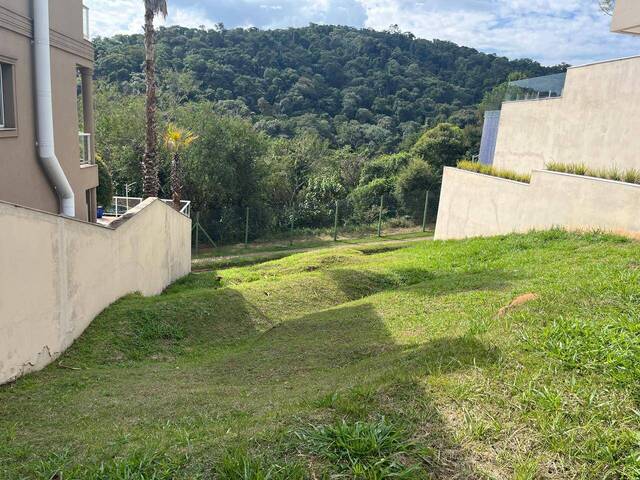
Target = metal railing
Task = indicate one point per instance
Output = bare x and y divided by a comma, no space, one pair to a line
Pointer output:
538,88
120,206
86,156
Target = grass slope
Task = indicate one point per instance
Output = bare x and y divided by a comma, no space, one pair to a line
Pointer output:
353,363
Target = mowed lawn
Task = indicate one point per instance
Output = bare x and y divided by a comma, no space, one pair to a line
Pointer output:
368,362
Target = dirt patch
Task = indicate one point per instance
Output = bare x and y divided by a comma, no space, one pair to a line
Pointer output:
517,302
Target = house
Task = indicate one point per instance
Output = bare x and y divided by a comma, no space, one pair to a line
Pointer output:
46,141
588,116
59,268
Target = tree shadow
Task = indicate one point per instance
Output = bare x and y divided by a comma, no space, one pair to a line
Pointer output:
341,349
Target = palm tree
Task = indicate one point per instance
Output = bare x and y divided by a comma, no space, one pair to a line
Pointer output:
150,168
177,140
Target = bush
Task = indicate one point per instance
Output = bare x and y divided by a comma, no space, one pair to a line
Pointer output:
104,192
440,147
411,187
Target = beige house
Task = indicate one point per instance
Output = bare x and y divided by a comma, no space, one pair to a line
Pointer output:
40,168
588,116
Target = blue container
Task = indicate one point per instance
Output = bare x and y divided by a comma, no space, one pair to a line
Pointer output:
100,212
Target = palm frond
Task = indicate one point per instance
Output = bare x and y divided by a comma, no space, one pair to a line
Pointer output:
157,7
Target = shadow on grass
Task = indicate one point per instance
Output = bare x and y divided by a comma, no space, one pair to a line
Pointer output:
343,349
273,367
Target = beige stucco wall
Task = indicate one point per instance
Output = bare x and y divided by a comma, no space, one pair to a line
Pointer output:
473,205
58,274
626,18
595,122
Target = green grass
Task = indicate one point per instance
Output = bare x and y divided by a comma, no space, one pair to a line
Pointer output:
241,255
628,176
353,362
493,171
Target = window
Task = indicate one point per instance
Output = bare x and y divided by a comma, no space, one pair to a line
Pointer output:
7,113
85,22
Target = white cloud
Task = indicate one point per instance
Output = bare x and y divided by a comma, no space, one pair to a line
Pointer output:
550,31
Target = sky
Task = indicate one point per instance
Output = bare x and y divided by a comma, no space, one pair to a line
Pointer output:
549,31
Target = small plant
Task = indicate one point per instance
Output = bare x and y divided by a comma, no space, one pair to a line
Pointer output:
238,465
368,450
494,172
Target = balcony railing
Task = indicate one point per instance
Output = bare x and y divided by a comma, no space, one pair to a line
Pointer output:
120,206
86,153
538,88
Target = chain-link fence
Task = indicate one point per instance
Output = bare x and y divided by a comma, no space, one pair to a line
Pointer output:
338,219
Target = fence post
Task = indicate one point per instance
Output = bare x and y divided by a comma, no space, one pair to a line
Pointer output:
197,231
424,216
292,222
380,216
335,224
246,229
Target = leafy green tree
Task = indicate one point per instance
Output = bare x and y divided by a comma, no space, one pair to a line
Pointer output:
441,146
412,184
104,192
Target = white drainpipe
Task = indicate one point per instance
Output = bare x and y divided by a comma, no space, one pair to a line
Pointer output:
44,107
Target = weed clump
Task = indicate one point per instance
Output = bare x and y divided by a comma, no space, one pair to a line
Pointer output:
369,450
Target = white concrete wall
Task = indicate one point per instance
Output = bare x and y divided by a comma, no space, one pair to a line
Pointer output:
595,122
58,274
473,205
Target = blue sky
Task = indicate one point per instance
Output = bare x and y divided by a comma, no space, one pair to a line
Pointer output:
550,31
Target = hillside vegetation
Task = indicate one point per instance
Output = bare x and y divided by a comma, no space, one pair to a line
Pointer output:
368,362
353,87
290,121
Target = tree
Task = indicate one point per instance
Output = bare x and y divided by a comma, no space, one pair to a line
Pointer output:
411,185
104,192
177,140
150,165
440,147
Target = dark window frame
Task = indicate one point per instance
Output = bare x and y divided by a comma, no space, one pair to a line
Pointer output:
9,120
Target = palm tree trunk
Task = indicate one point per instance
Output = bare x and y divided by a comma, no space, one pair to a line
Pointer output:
150,169
176,181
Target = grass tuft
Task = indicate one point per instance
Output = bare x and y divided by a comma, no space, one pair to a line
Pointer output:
494,172
368,450
611,173
238,465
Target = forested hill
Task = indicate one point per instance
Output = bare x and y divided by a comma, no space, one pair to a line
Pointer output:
354,87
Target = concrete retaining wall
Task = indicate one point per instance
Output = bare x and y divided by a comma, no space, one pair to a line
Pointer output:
595,122
57,274
473,205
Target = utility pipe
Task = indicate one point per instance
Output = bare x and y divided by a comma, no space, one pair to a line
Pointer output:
44,109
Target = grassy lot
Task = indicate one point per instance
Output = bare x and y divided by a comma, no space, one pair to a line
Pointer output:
240,255
354,363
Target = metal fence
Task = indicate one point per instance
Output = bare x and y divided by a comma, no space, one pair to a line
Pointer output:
338,219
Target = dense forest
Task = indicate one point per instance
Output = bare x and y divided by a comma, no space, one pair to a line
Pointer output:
288,121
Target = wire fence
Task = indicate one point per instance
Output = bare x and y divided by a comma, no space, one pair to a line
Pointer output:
337,219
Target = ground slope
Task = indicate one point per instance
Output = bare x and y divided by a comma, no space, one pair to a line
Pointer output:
365,363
